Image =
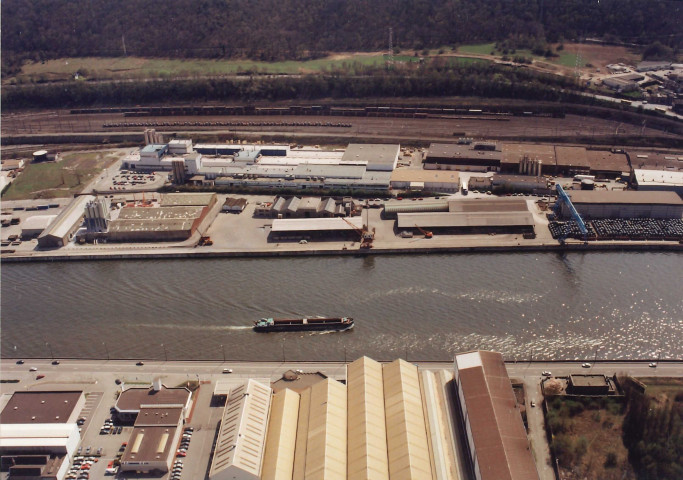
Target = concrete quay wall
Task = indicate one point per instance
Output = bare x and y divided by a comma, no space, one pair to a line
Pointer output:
213,253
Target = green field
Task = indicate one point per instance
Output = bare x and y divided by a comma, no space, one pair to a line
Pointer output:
132,67
58,179
481,49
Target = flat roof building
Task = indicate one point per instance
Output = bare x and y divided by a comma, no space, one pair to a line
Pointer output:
515,153
347,227
154,438
658,180
604,163
571,161
428,180
476,157
42,407
625,204
132,399
649,160
498,444
379,157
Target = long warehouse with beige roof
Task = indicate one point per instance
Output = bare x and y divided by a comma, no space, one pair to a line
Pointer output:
389,421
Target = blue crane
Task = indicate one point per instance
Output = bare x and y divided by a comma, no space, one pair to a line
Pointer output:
562,197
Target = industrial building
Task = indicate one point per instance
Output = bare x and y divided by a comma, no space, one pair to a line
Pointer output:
39,434
590,385
425,180
132,399
658,180
649,160
527,159
338,228
61,230
393,207
175,219
35,225
234,205
497,441
571,161
625,204
153,440
241,441
501,184
475,157
623,83
366,166
490,215
97,215
377,157
388,421
300,207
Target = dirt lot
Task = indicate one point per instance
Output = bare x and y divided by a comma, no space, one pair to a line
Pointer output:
429,129
591,434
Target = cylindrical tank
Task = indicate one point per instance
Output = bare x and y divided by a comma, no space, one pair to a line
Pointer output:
40,156
587,184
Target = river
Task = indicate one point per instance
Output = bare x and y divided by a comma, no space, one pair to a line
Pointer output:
424,307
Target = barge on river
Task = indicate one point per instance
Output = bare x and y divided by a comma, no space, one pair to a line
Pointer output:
299,324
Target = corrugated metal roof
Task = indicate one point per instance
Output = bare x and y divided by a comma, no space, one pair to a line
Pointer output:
500,443
488,205
315,224
625,197
299,472
440,442
242,434
406,431
417,206
367,432
66,220
327,441
455,220
278,461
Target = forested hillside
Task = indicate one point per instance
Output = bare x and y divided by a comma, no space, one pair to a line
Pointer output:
295,29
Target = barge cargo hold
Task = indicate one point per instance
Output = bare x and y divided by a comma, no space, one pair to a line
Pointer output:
299,324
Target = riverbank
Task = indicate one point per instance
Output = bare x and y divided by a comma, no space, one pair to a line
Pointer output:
157,253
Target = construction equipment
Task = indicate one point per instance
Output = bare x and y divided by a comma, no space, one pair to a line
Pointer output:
426,233
205,242
366,237
562,197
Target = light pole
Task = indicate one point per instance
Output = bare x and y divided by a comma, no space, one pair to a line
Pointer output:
106,349
52,355
223,350
165,352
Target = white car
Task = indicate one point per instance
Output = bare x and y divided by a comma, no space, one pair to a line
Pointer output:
653,365
546,373
586,365
33,369
227,370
